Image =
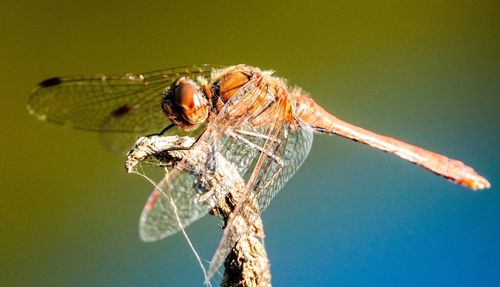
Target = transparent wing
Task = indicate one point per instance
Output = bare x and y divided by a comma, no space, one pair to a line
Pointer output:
267,144
118,104
159,218
176,201
272,177
280,148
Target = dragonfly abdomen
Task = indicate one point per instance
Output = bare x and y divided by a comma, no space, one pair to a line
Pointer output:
307,111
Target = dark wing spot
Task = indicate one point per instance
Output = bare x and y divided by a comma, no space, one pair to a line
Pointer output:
50,82
121,111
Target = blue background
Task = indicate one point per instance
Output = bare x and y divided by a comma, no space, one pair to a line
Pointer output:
427,73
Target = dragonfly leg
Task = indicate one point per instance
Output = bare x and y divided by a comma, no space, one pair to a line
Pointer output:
165,129
257,135
238,134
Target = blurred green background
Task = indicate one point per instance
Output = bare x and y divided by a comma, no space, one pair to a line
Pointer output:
427,73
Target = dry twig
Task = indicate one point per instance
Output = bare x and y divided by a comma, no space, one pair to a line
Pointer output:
247,264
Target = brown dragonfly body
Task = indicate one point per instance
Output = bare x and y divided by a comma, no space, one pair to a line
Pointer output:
254,127
451,169
303,109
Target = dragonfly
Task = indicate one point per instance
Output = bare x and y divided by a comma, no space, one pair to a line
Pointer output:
238,120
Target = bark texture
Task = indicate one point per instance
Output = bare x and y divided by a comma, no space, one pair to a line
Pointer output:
247,263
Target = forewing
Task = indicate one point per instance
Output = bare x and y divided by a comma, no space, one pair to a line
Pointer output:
293,151
118,104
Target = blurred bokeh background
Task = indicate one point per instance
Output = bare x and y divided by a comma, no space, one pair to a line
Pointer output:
428,73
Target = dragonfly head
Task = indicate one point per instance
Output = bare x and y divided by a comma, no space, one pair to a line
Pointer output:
185,104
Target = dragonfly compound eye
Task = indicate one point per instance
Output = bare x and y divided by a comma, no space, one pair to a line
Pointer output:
185,104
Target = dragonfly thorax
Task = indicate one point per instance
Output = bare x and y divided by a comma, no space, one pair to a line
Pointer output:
185,104
232,80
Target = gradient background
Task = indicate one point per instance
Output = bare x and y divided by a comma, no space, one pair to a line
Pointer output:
428,73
